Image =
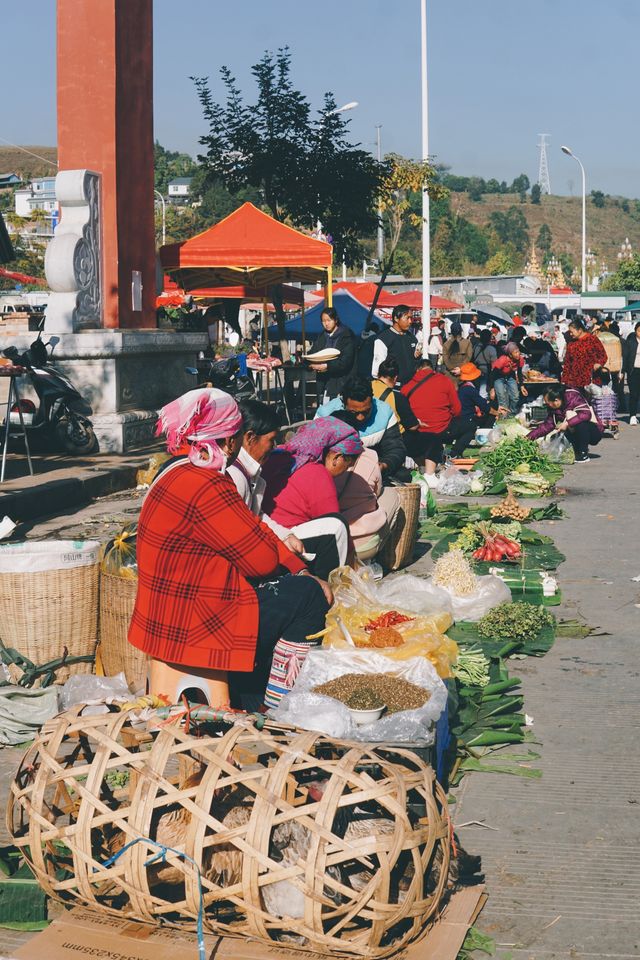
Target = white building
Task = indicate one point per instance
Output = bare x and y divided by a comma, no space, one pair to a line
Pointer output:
179,188
39,195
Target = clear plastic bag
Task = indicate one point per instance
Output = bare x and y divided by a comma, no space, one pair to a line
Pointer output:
312,711
454,482
93,690
358,601
491,592
557,447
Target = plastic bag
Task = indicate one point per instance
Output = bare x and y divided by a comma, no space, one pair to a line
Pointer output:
558,448
312,711
358,601
38,556
144,478
427,500
119,557
491,592
92,690
454,482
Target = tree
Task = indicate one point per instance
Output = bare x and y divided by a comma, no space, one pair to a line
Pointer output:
597,198
168,165
500,263
477,187
304,167
404,179
536,193
511,227
626,277
544,240
521,184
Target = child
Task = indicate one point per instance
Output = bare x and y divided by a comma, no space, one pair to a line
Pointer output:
506,378
604,400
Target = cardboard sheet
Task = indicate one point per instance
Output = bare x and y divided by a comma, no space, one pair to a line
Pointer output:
85,933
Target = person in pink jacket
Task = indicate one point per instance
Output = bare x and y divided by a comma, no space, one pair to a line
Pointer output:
570,412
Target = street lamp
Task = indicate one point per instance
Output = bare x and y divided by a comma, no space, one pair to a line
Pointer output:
380,244
164,215
426,241
570,153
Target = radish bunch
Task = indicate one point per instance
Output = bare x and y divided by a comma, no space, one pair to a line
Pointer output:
496,547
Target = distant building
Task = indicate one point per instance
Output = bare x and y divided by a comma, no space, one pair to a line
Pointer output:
9,180
180,188
39,195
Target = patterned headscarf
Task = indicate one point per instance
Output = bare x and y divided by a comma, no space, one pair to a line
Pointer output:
313,440
199,418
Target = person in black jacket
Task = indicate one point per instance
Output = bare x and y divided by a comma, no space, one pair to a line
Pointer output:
399,343
335,335
631,366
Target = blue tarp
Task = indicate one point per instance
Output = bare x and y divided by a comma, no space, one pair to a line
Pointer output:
351,312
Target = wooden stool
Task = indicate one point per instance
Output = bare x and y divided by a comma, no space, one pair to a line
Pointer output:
200,686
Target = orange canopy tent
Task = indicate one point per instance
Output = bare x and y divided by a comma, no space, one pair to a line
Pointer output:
248,248
173,296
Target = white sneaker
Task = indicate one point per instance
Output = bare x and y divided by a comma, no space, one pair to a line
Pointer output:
633,421
433,481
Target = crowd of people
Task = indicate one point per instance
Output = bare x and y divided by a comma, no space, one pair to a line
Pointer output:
238,533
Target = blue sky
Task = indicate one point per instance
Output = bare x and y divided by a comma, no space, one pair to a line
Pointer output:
500,73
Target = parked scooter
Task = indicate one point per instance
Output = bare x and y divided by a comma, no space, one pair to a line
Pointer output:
227,375
61,414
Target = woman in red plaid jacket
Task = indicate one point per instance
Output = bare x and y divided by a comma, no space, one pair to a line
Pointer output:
211,590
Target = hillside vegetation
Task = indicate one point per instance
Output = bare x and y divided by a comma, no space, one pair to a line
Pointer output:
607,226
26,166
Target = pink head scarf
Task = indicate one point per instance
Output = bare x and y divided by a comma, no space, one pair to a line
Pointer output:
199,418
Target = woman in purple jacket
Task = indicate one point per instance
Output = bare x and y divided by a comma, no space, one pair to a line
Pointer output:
570,411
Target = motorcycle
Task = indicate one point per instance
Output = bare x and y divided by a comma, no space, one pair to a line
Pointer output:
61,413
227,375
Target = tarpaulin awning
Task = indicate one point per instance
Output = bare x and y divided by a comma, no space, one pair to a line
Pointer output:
365,292
352,313
250,248
632,307
173,296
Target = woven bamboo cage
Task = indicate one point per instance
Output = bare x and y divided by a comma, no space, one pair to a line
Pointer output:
397,550
340,848
117,599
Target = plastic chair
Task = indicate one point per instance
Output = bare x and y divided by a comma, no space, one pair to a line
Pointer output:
210,687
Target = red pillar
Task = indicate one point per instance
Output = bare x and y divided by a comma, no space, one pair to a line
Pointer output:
105,124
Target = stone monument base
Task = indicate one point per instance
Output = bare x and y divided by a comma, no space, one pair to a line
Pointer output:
126,375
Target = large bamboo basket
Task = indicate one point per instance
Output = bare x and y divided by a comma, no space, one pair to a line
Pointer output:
397,550
117,599
45,612
350,841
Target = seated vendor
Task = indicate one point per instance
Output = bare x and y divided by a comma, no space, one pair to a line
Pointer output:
215,585
383,387
476,409
301,493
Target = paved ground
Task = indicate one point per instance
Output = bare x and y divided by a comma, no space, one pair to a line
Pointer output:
562,863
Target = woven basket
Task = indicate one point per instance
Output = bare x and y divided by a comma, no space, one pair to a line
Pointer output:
45,612
397,550
339,848
117,599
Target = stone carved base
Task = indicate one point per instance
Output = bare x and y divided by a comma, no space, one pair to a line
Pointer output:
126,375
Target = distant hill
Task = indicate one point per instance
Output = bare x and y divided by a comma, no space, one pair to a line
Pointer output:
607,226
26,166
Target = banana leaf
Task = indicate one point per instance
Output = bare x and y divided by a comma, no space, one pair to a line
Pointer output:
23,904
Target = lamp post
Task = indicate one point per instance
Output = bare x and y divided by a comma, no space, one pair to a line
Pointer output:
380,244
426,240
570,153
164,215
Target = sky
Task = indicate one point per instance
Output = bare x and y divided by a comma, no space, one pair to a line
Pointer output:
500,73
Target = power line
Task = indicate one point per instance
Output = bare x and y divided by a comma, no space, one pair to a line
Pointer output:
31,154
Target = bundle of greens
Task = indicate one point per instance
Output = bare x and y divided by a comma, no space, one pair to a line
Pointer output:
508,456
517,623
528,484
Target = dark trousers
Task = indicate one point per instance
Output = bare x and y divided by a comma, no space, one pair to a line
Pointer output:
464,430
325,545
583,436
633,379
430,446
290,607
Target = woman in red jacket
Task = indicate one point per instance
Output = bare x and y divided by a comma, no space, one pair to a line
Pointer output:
585,354
434,401
204,559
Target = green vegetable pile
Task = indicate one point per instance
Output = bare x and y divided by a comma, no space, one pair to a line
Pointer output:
528,484
520,622
511,454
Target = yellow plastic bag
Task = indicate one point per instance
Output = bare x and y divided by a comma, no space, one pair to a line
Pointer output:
144,478
355,608
119,556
